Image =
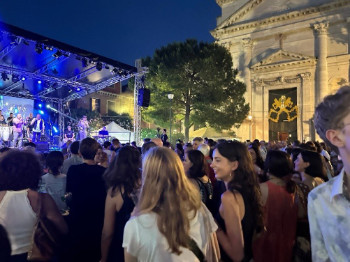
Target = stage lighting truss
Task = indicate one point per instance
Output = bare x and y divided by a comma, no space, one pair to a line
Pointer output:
53,82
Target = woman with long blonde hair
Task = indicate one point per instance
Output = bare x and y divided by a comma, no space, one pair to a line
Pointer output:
169,223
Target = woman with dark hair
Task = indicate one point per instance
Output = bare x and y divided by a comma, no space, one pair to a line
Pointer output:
179,150
280,210
123,179
240,213
258,162
311,168
196,169
54,182
20,173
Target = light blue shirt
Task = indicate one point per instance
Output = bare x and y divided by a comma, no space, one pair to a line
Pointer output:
329,218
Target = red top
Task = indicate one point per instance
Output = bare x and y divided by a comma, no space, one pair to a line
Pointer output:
280,216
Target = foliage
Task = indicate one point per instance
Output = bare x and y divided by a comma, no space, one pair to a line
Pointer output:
124,120
204,84
148,133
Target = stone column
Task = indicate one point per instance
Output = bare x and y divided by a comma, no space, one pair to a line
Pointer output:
322,88
348,24
247,49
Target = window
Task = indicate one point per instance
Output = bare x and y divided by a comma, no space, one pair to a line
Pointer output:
95,104
111,108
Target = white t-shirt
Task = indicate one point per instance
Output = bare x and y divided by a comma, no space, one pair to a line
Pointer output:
143,240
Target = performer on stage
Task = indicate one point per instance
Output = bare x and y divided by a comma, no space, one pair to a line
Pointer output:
103,133
10,120
83,127
2,121
38,127
68,135
29,127
3,129
17,131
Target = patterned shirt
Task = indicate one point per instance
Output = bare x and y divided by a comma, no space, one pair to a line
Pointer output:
329,212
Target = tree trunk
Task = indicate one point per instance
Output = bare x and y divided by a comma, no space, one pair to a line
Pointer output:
187,122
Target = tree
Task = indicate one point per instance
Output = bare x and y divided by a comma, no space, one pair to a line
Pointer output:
204,84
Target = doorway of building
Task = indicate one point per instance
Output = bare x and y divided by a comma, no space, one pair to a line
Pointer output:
283,112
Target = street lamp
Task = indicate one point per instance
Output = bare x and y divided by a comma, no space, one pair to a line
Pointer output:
250,118
170,97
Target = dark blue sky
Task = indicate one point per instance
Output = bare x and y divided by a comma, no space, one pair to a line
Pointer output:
120,29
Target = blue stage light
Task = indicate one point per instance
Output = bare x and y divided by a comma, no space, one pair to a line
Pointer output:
55,129
39,81
23,78
47,106
78,89
40,105
41,112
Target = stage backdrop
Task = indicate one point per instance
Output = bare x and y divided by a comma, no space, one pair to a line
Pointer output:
16,106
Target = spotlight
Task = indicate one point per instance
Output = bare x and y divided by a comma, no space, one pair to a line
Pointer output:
84,62
38,48
4,76
39,82
23,78
41,112
99,66
78,89
15,78
50,48
40,105
57,54
48,106
55,129
13,39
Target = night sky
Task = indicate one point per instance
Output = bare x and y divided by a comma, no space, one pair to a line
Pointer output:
123,30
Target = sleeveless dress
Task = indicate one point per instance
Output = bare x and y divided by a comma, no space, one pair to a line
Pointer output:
280,213
248,227
116,250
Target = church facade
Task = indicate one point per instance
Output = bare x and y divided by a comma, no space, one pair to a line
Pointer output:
290,54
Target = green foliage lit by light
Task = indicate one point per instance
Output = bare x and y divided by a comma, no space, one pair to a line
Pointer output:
204,84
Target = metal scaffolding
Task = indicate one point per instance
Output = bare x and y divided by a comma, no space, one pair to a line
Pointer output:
139,83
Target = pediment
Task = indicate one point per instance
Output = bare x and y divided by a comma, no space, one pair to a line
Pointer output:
282,58
255,10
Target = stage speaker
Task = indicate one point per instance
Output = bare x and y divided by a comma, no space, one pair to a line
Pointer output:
144,97
42,146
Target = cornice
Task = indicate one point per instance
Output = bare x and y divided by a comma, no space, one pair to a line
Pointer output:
240,13
282,79
218,32
223,2
281,66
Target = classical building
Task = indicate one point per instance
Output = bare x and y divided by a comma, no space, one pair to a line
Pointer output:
290,54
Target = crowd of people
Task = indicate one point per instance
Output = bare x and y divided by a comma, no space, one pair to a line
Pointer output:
206,200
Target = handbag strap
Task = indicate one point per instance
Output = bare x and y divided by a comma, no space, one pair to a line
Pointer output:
195,249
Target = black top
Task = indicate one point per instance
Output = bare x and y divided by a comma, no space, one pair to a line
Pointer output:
164,137
3,122
69,134
248,227
86,216
10,121
116,250
206,191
